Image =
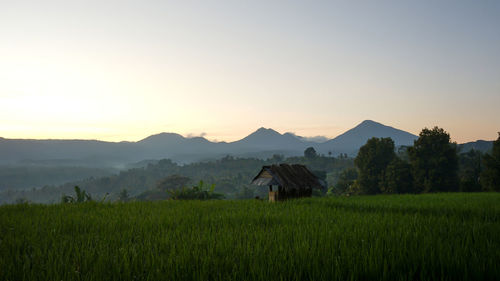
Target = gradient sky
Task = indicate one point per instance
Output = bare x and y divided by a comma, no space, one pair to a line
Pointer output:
123,70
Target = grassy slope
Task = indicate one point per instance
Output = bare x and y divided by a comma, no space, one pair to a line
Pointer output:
409,237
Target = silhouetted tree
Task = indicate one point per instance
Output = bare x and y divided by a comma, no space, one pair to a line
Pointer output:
469,170
277,158
372,160
246,193
197,192
124,195
310,152
490,177
434,161
346,178
398,177
80,196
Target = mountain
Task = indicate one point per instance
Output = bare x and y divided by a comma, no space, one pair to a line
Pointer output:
261,144
350,141
14,151
267,140
481,145
171,145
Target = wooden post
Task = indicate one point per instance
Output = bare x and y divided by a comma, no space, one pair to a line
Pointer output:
273,196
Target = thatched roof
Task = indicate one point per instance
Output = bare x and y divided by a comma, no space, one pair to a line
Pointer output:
288,177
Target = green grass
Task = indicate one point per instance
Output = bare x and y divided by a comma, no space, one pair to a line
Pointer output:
408,237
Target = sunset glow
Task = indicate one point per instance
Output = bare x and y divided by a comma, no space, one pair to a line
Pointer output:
123,70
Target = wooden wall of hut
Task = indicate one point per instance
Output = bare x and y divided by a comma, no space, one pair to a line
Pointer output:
283,194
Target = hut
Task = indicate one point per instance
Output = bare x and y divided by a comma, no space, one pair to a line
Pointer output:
292,181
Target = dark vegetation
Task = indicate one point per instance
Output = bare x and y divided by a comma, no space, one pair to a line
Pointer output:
197,192
432,164
396,237
80,197
491,173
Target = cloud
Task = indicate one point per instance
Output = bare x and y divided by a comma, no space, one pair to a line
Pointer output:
317,139
193,135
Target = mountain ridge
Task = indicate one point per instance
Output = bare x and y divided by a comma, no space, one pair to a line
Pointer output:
357,136
263,142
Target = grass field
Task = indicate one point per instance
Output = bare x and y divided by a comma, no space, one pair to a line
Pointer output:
408,237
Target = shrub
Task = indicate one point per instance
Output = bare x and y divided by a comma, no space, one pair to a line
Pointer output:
197,192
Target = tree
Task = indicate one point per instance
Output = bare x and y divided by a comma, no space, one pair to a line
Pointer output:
80,196
398,177
245,193
490,177
310,152
276,158
469,170
434,161
124,195
372,160
197,192
346,178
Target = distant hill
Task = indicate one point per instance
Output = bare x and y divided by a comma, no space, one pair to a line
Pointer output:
77,152
350,141
481,145
261,144
177,147
268,140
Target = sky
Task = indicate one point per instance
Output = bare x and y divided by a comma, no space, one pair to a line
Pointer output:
123,70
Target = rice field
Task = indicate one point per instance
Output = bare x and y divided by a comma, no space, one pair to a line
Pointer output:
407,237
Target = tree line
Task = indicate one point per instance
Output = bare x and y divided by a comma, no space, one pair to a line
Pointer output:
432,164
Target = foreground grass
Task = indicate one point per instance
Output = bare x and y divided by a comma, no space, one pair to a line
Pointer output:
410,237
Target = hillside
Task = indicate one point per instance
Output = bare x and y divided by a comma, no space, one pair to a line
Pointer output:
262,143
481,145
350,141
